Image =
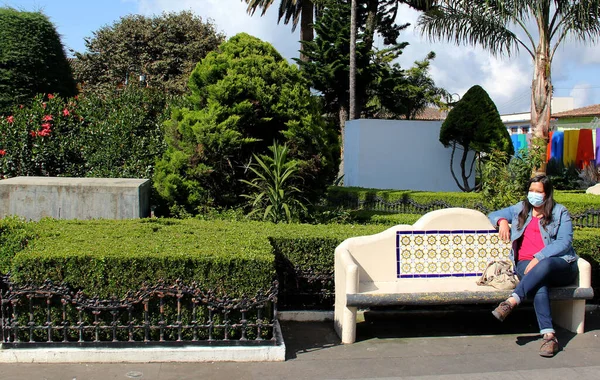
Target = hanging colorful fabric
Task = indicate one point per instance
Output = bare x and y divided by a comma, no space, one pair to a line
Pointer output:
570,147
558,140
585,149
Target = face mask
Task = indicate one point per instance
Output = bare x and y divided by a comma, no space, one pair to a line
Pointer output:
536,199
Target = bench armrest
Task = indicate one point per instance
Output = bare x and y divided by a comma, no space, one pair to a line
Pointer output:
585,274
351,270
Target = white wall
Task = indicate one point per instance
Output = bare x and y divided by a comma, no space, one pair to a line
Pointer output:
398,154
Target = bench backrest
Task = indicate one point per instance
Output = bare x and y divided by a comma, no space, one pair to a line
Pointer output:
458,253
379,257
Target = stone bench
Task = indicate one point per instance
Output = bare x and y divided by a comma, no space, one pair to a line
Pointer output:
435,261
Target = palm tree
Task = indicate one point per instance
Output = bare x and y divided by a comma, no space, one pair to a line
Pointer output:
493,25
296,11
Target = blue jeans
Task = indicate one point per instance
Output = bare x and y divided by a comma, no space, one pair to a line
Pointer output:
553,271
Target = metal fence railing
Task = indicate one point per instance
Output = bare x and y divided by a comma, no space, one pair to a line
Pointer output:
50,315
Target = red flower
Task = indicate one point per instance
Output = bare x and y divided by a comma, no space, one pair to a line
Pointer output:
50,96
33,133
2,152
66,112
47,118
44,105
10,119
44,132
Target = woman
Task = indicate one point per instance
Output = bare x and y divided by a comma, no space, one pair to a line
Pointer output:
542,235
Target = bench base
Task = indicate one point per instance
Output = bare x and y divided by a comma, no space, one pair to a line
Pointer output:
568,305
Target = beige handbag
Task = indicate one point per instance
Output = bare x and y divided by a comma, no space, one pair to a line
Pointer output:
500,275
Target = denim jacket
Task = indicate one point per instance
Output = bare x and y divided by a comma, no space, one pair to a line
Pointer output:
557,235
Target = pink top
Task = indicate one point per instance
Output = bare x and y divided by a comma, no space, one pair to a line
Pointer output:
532,240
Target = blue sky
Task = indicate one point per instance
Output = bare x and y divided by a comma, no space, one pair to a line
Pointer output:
576,67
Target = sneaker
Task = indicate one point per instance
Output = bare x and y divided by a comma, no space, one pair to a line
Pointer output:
503,310
549,347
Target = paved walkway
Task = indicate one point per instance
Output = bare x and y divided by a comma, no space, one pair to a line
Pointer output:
463,344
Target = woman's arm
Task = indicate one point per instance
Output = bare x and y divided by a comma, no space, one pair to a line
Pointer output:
508,213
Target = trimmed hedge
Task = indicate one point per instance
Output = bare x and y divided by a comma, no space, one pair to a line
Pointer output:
575,202
339,196
109,258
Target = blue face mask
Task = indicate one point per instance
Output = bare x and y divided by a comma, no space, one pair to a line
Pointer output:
536,199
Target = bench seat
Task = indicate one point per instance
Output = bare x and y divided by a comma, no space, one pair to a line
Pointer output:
436,261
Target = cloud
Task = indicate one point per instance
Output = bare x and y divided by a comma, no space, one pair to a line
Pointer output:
582,95
456,68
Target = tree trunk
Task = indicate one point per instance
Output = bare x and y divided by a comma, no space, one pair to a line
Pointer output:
352,79
306,25
541,94
370,24
463,171
343,117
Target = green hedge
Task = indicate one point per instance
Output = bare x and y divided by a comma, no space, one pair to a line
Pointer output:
337,195
576,202
109,258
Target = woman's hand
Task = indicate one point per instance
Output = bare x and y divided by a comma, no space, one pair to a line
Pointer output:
531,264
504,230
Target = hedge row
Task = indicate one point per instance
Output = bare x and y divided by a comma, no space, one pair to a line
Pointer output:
109,258
576,202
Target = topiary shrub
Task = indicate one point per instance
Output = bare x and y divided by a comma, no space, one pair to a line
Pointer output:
244,97
474,124
32,59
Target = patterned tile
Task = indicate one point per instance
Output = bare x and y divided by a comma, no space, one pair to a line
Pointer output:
447,253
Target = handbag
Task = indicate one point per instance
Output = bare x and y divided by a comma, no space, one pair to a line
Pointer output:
499,274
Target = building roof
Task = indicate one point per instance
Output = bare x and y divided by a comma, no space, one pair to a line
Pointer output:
593,110
431,113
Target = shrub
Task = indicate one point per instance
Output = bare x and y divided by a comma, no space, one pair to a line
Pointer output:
475,125
43,138
32,59
273,195
244,97
124,131
502,183
117,135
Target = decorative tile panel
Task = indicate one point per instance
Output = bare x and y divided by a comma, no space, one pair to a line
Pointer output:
458,253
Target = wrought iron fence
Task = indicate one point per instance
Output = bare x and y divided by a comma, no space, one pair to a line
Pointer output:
403,206
588,218
50,315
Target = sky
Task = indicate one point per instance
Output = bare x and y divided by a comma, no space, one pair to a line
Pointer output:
575,69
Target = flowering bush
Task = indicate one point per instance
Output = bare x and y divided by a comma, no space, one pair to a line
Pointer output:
42,139
115,134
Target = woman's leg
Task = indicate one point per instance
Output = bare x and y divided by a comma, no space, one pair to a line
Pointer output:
552,271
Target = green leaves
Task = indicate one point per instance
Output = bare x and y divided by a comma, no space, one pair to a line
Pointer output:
164,49
274,195
32,59
244,96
